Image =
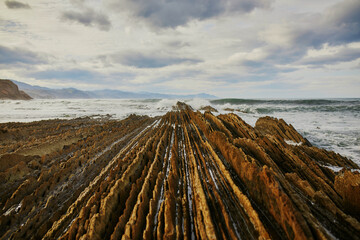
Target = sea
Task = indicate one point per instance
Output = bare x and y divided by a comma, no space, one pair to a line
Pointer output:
332,124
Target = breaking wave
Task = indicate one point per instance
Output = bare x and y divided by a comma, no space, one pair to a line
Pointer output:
329,123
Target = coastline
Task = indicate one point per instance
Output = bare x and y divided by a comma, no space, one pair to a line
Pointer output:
158,175
331,124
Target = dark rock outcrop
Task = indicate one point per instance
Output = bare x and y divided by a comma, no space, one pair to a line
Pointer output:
209,109
185,175
181,106
9,90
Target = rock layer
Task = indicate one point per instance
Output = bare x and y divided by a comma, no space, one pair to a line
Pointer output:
9,90
185,175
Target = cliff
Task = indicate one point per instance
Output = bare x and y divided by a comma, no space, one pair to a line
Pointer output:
185,175
9,90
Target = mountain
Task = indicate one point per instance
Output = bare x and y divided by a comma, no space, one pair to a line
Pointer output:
48,93
9,90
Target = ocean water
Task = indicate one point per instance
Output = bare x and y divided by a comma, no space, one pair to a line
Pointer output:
333,124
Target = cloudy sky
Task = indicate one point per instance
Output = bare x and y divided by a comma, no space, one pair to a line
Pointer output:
229,48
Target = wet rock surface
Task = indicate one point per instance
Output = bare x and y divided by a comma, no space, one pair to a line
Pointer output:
185,175
209,109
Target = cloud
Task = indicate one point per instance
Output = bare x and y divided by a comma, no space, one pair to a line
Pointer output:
338,25
177,44
221,46
290,41
16,5
88,17
257,54
67,74
344,18
175,13
14,56
149,60
80,77
329,55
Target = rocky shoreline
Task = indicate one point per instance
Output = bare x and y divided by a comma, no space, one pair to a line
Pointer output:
184,175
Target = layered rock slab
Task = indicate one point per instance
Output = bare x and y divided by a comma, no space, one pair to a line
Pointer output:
185,175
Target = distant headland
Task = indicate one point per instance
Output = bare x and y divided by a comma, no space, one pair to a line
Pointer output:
38,92
9,90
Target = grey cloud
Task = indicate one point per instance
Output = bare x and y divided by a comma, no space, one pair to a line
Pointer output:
178,44
9,56
88,17
338,25
345,20
260,70
11,26
78,2
346,12
343,55
77,75
149,60
175,13
16,5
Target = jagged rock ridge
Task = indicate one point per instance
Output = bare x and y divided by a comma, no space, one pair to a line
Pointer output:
185,175
9,90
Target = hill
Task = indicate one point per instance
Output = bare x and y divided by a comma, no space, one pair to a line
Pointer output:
65,93
9,90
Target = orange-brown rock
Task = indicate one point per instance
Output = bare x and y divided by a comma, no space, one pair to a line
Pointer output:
185,175
229,109
181,106
9,90
347,184
209,109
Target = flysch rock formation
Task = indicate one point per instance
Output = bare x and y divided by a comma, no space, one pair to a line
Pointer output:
185,175
9,90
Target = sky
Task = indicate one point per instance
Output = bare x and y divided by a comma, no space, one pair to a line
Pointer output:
228,48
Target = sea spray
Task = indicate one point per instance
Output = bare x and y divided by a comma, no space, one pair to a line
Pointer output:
329,123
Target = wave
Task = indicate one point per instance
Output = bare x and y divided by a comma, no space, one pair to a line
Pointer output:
300,105
268,110
329,123
311,102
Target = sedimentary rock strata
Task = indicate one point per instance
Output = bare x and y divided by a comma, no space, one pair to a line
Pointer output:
185,175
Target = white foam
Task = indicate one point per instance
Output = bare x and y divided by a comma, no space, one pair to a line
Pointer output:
198,103
334,168
166,104
292,143
337,131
